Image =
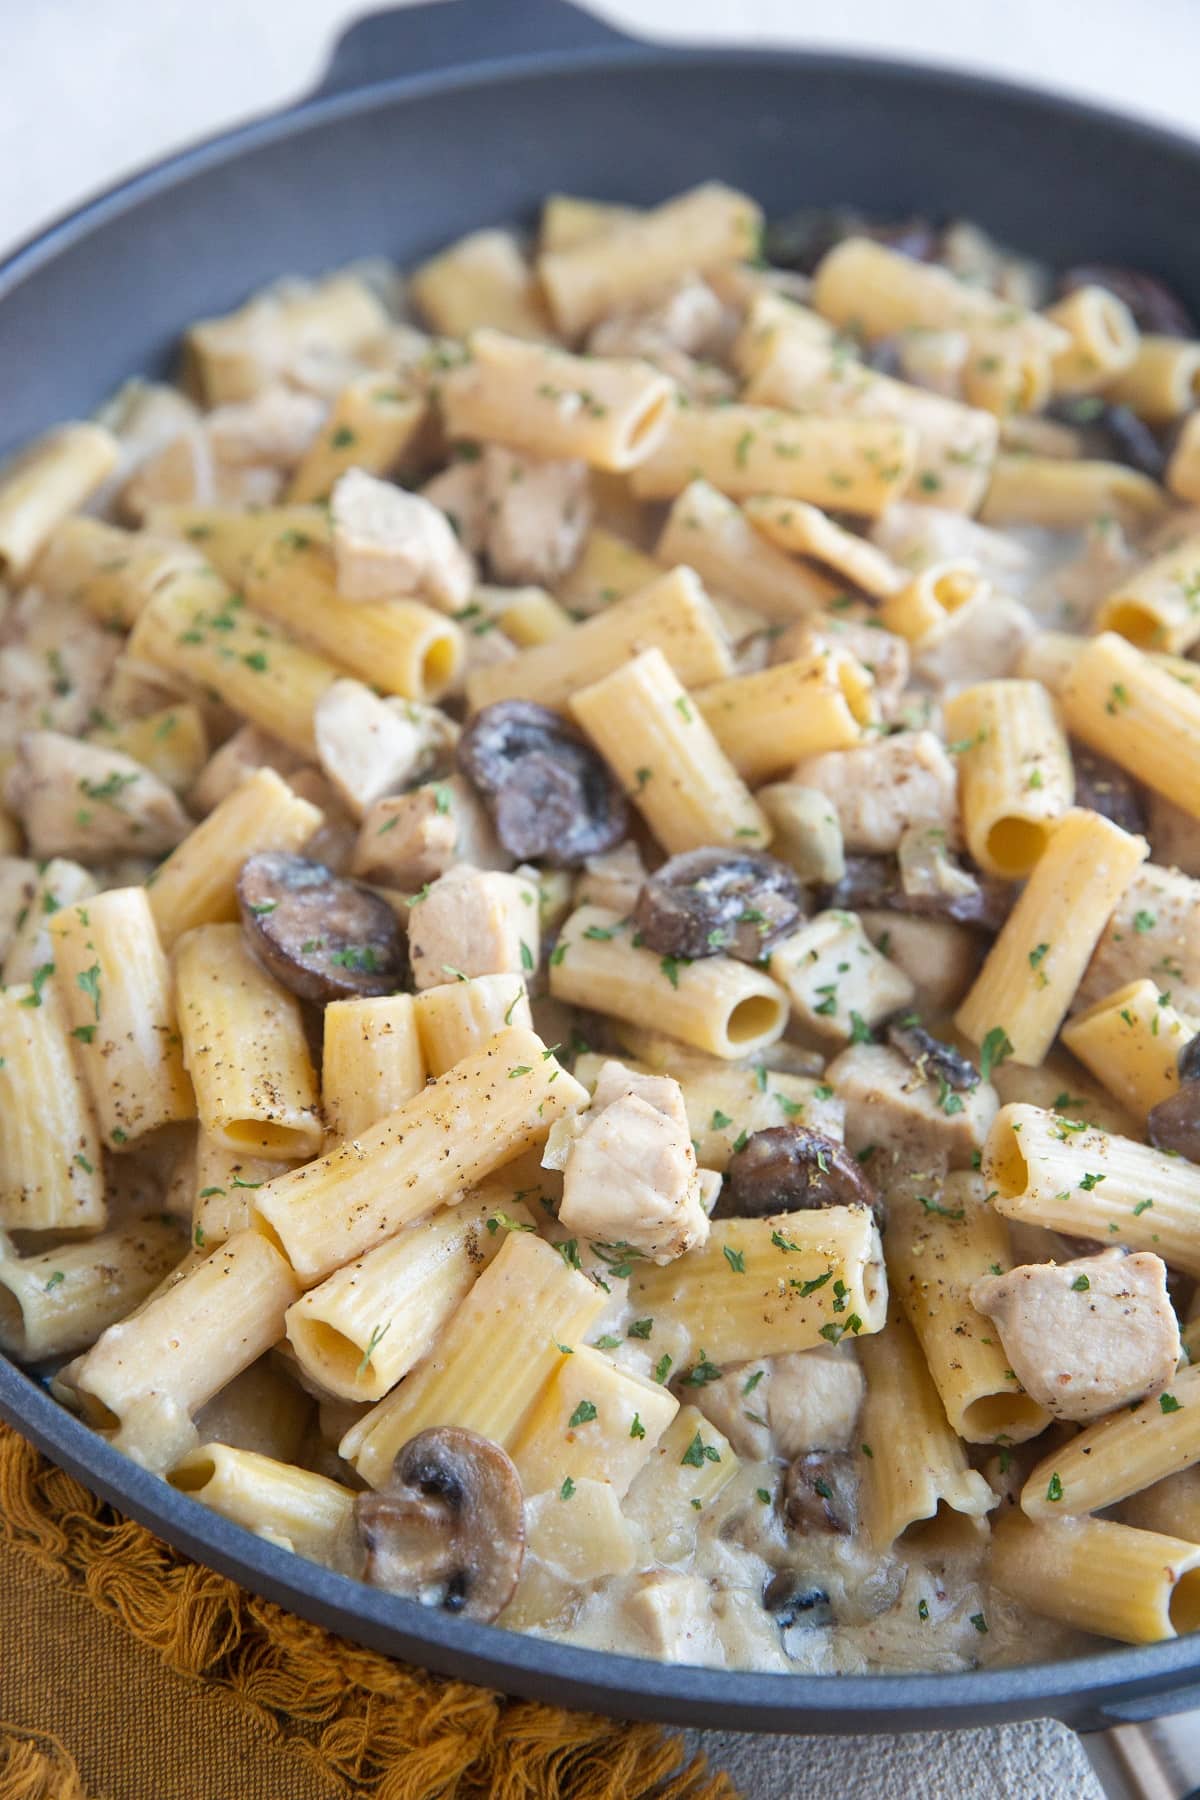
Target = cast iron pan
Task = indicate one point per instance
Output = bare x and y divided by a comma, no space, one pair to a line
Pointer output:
432,122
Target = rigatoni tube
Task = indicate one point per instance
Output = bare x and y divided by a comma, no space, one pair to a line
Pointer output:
1035,965
302,1511
526,1312
368,1323
770,720
1098,1576
197,885
45,483
244,1047
456,1018
59,1301
608,411
1158,607
715,1004
674,613
763,1287
654,737
855,465
480,1114
1015,775
371,1062
1123,704
1119,1455
115,987
1130,1040
1047,1171
51,1178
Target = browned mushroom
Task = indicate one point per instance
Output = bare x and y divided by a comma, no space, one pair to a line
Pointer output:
552,799
1104,788
1174,1124
873,882
936,1061
800,240
1155,306
820,1492
789,1168
1111,433
321,936
449,1527
718,903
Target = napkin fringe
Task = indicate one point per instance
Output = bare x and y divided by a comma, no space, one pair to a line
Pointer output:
379,1727
35,1766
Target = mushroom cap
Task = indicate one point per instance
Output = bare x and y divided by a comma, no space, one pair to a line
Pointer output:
552,798
873,882
820,1492
935,1059
790,1168
449,1527
717,902
321,936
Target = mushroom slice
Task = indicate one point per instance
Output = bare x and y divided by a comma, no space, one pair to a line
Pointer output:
873,882
820,1492
1155,307
719,903
936,1061
551,797
794,1602
1174,1124
1103,787
789,1168
449,1527
321,936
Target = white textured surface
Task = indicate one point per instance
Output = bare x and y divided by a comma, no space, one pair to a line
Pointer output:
90,89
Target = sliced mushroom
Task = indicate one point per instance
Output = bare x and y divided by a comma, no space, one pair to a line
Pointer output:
936,1061
794,1602
820,1492
1155,306
449,1527
1112,433
323,937
551,797
873,882
789,1168
719,903
1174,1124
800,240
1103,787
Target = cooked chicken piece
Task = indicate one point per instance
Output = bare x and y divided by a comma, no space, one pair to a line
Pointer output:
929,872
681,331
880,789
1087,1336
837,981
145,416
538,514
630,1173
891,1106
243,453
54,661
673,1619
613,879
59,883
388,543
737,1405
881,652
918,536
410,839
808,835
370,747
939,957
248,749
1155,933
18,885
473,922
77,800
980,642
459,492
814,1399
1174,834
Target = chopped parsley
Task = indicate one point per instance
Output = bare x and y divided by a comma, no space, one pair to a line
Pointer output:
584,1413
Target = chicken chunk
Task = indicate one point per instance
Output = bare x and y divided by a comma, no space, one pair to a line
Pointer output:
980,642
835,978
613,879
630,1176
808,836
473,922
882,653
1174,834
814,1399
409,839
1087,1336
459,492
54,661
242,453
239,756
18,885
388,543
940,958
368,747
538,514
1154,933
892,1107
882,788
77,800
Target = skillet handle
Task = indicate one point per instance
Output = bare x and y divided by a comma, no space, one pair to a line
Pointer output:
452,34
1148,1758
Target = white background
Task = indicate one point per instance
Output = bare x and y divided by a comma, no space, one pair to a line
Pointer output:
91,89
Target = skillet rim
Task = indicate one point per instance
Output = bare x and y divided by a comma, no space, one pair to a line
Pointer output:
1129,1679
